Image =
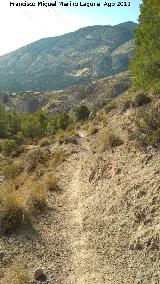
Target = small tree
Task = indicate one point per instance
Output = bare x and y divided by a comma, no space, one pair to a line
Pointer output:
8,146
14,122
62,121
31,127
3,122
82,113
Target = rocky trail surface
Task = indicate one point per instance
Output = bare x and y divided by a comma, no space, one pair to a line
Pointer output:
102,224
58,243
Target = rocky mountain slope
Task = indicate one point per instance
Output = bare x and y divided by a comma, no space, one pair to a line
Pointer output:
74,58
93,94
102,225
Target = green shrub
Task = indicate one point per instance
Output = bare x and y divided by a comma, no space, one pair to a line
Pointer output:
3,122
31,126
20,139
62,121
145,64
18,151
12,170
82,113
5,98
8,146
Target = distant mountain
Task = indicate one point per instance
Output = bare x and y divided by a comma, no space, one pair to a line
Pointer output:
74,58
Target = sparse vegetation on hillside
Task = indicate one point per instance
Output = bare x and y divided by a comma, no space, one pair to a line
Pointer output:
148,127
44,142
110,188
79,201
94,95
29,126
93,130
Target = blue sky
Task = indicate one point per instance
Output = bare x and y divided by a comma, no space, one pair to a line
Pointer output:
20,26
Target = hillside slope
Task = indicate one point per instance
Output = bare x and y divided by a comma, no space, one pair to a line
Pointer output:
102,225
74,58
93,94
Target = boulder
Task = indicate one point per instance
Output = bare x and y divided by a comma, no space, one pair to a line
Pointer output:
39,275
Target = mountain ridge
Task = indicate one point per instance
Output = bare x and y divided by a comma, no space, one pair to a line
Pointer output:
74,58
58,36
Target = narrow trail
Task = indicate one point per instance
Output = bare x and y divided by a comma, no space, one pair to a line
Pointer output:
85,234
61,245
78,238
83,257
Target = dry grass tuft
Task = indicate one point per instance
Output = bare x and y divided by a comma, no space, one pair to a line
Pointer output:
20,180
13,206
110,106
51,181
148,127
37,196
109,141
19,206
16,274
93,130
57,158
35,157
44,142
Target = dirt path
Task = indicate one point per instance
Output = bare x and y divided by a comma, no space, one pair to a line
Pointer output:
60,244
84,236
79,240
83,257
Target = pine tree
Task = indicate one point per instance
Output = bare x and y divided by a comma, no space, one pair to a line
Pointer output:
145,65
3,123
82,113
